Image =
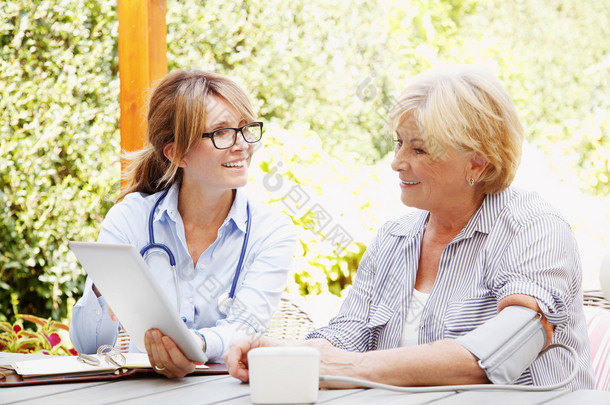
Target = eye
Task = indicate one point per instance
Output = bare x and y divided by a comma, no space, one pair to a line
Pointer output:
419,151
398,143
223,133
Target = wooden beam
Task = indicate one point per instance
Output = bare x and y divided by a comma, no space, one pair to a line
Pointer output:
142,61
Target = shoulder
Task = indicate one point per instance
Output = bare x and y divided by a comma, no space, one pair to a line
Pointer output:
129,217
133,206
527,207
396,232
404,225
270,222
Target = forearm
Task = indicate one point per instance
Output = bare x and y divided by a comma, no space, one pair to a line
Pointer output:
443,362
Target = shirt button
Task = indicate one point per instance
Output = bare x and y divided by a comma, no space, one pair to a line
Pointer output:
191,300
98,312
422,325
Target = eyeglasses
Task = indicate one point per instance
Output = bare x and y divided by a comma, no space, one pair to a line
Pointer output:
224,138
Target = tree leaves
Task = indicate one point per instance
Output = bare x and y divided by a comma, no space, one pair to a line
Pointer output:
59,147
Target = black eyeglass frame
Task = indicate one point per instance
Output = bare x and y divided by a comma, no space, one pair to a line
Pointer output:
240,130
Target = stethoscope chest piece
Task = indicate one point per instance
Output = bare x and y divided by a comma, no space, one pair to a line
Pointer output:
224,303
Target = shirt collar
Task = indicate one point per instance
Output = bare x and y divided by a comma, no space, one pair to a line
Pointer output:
239,211
482,220
410,224
169,203
484,217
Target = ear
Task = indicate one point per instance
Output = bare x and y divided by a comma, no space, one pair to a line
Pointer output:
477,164
168,152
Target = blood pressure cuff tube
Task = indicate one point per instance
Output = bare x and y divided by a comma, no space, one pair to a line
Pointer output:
507,343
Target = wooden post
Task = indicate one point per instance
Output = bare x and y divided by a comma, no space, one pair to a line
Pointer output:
142,60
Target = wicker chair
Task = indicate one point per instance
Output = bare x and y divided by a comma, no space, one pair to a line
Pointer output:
595,298
290,321
122,342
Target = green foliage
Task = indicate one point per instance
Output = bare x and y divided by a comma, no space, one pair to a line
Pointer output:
46,339
323,75
59,144
330,199
331,66
554,57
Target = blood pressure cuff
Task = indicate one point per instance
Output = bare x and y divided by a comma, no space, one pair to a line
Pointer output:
507,343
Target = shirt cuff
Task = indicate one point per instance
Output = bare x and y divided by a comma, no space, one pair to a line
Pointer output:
332,337
214,345
552,308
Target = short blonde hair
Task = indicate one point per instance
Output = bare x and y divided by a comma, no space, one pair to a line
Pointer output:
176,113
468,109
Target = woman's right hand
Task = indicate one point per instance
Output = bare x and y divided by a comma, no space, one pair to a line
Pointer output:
166,357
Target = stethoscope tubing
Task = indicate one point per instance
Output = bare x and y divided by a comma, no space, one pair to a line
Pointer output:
172,261
242,255
151,234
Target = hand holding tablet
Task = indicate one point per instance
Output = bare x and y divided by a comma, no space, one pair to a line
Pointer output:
126,283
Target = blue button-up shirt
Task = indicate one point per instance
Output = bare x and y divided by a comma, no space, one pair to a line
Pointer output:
266,265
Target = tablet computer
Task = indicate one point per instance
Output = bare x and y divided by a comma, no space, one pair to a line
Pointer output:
125,281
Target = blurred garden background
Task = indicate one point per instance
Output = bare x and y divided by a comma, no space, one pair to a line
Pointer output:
323,75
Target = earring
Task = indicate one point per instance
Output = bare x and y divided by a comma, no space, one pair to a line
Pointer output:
471,181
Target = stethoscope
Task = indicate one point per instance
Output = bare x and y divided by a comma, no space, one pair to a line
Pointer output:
225,300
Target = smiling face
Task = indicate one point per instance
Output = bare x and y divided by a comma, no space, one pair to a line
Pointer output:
216,170
426,181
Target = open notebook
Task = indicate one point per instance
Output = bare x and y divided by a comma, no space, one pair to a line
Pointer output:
72,365
33,369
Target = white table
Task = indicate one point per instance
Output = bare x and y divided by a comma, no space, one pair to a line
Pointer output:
216,389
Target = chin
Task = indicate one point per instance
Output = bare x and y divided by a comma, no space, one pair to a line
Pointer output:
411,202
238,183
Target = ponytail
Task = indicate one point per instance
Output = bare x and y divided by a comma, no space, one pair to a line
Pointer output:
144,172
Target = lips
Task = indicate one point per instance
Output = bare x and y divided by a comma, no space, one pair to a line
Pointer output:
409,183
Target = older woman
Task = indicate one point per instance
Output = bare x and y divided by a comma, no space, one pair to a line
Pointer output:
474,247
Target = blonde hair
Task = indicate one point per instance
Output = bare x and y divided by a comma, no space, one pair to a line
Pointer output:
468,109
176,113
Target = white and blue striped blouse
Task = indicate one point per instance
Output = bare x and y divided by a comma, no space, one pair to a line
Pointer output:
515,243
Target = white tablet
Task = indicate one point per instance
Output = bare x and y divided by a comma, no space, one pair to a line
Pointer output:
136,298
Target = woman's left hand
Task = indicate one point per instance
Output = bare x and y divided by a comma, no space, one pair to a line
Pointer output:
165,356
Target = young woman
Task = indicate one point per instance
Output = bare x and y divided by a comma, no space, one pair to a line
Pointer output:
222,258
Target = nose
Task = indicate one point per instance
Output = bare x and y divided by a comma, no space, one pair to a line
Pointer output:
400,161
240,141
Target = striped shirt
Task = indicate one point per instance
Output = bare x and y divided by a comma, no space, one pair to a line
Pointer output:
515,243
